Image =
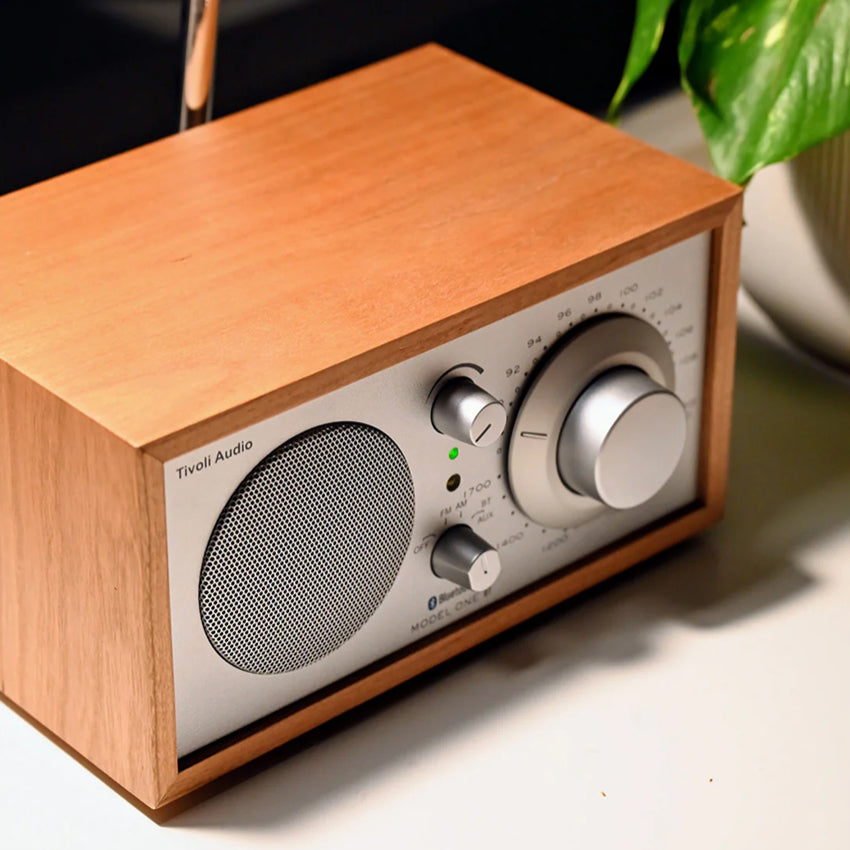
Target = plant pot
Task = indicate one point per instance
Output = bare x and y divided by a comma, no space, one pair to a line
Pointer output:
796,214
821,178
798,270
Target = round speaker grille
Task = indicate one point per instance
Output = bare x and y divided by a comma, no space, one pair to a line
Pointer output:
306,548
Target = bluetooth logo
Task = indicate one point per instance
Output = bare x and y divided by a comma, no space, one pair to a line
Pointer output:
432,603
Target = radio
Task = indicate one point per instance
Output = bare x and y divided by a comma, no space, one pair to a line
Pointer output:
305,401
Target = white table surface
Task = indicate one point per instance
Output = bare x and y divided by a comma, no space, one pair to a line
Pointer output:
701,701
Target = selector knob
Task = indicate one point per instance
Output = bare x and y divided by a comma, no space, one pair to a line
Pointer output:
622,439
463,557
465,411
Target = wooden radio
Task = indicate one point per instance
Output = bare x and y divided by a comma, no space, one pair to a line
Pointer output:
305,401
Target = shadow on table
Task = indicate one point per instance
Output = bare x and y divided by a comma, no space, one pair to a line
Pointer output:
789,486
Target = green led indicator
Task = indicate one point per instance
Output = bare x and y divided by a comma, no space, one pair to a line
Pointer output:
453,453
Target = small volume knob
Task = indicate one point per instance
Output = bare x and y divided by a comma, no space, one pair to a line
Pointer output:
463,557
466,412
622,439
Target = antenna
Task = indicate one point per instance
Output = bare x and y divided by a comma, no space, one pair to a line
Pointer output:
200,24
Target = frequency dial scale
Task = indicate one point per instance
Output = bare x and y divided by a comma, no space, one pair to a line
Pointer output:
600,426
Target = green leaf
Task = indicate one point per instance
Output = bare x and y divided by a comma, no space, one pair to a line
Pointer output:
768,78
650,17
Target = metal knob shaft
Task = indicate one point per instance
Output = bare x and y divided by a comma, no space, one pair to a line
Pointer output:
463,557
622,439
465,411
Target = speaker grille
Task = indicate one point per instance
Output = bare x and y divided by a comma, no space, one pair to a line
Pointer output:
306,548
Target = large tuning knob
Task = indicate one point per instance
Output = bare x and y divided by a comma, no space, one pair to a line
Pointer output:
599,425
622,439
468,413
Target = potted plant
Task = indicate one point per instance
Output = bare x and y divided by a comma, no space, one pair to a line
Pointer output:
768,80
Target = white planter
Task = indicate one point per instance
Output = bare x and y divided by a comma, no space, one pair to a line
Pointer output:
796,258
821,178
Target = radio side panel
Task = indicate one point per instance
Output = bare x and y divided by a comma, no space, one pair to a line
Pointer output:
78,581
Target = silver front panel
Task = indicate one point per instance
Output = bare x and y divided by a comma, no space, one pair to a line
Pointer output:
213,698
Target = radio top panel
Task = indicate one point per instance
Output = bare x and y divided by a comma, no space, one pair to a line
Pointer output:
177,282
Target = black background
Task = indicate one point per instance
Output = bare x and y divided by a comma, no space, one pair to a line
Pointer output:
84,79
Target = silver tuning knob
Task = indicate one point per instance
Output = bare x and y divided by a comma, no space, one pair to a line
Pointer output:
463,557
622,438
466,412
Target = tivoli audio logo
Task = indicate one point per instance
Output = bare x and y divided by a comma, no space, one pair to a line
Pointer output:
209,460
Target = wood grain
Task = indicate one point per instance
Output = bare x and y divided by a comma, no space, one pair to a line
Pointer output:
720,358
163,763
426,338
76,610
332,227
